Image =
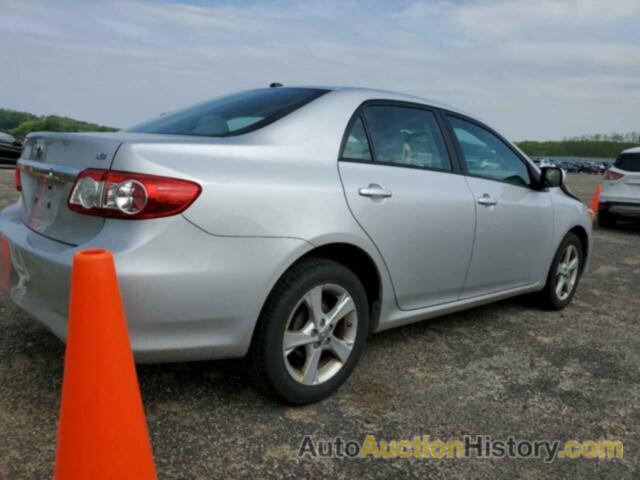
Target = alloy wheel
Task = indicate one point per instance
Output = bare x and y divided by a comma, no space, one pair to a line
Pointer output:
567,272
320,334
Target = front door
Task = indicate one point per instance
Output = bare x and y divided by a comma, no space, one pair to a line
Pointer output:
514,220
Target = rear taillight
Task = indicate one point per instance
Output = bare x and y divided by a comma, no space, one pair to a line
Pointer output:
130,195
609,175
18,179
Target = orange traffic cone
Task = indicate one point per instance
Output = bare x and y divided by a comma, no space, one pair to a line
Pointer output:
595,203
103,432
5,264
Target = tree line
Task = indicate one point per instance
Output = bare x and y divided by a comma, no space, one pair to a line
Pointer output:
597,146
19,124
629,137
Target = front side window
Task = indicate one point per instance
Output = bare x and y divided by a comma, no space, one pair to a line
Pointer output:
487,156
407,136
357,145
232,115
629,162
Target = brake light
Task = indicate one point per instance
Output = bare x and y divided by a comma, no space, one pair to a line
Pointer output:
130,195
18,179
609,175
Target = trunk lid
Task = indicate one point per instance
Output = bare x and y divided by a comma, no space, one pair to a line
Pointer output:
48,167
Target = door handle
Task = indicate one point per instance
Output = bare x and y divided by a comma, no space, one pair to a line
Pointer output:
487,200
375,191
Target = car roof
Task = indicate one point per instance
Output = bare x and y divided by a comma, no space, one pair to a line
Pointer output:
380,94
632,150
360,95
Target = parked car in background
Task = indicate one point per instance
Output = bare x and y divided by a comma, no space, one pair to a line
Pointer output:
595,168
620,197
604,166
10,149
588,167
573,167
287,224
543,162
567,166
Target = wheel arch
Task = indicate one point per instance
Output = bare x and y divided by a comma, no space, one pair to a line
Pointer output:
355,259
361,264
582,234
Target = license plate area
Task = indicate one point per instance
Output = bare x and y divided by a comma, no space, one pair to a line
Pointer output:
44,191
48,196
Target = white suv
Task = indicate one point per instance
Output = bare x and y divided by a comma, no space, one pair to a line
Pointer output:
620,196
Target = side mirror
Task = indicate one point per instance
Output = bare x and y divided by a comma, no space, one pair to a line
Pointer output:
552,177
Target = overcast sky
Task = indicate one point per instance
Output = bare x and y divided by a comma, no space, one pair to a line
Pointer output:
535,69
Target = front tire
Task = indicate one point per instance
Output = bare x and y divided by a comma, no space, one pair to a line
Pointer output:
564,274
311,332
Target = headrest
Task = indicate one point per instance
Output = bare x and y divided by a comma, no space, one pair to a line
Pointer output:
211,125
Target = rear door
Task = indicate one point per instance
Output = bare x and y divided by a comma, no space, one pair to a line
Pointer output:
514,221
402,187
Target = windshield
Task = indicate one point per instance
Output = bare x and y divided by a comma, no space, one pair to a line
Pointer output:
232,115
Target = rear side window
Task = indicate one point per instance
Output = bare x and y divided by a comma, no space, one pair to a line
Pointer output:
629,162
357,145
233,115
487,156
406,136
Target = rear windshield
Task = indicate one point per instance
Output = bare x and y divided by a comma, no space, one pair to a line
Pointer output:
233,115
629,162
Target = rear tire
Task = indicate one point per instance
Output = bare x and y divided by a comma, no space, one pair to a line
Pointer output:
564,275
606,220
317,317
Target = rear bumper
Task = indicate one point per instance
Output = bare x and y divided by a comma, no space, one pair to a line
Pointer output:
623,209
188,295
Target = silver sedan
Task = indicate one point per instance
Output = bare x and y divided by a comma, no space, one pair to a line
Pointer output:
287,224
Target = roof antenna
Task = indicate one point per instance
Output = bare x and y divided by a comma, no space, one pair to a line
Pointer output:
275,85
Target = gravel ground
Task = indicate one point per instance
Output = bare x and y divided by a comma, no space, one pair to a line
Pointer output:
502,370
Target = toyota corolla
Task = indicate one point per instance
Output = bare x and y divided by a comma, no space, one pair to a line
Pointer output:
285,225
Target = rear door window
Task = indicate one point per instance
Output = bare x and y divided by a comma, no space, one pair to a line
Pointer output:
406,136
357,145
629,162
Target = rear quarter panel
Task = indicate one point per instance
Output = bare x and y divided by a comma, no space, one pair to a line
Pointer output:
281,181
